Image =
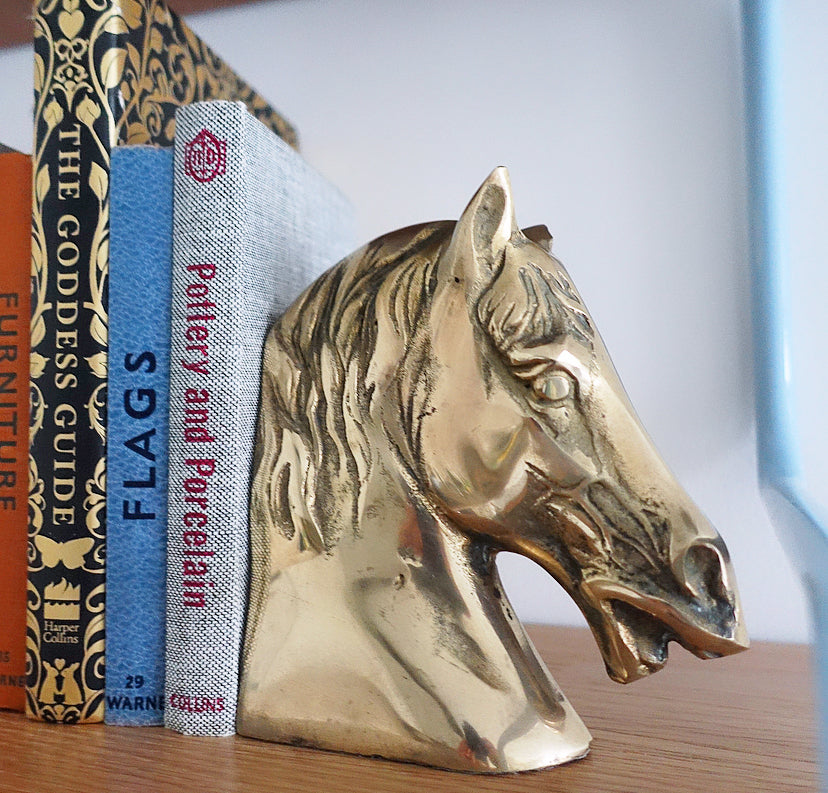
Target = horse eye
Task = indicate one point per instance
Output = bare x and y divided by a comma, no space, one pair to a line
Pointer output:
553,387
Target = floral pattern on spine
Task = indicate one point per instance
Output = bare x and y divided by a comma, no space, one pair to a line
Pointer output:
106,72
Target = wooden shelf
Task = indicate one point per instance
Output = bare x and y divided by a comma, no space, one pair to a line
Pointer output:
16,26
739,724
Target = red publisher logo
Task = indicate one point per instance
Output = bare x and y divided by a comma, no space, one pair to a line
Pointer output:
205,157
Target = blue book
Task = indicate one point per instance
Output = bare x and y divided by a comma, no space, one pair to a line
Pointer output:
137,436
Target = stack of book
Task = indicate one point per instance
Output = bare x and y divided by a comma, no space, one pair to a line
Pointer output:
164,221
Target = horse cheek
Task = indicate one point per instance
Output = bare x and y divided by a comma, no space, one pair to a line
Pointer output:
479,472
502,467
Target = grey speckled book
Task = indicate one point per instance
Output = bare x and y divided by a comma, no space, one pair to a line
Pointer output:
253,225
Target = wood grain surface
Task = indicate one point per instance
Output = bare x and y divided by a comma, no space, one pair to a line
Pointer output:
736,724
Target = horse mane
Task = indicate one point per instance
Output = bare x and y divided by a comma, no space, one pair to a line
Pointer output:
527,306
318,384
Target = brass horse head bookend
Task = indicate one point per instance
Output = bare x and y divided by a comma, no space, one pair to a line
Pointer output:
437,397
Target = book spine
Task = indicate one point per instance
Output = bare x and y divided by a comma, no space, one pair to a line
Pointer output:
106,72
73,120
15,223
136,488
253,225
207,540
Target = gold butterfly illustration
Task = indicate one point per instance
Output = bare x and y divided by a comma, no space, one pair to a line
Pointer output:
71,552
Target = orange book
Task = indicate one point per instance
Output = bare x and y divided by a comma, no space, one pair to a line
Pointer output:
15,280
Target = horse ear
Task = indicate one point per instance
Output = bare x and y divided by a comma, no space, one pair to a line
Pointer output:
540,236
484,229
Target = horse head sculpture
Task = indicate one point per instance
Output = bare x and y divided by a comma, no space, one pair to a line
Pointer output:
437,397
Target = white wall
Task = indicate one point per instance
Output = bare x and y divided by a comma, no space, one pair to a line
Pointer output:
621,123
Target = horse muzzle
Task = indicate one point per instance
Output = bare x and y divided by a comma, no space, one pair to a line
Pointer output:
703,614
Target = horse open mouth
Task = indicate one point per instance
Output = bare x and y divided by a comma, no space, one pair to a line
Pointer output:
642,636
636,630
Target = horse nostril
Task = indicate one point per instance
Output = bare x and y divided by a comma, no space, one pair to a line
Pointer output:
702,572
